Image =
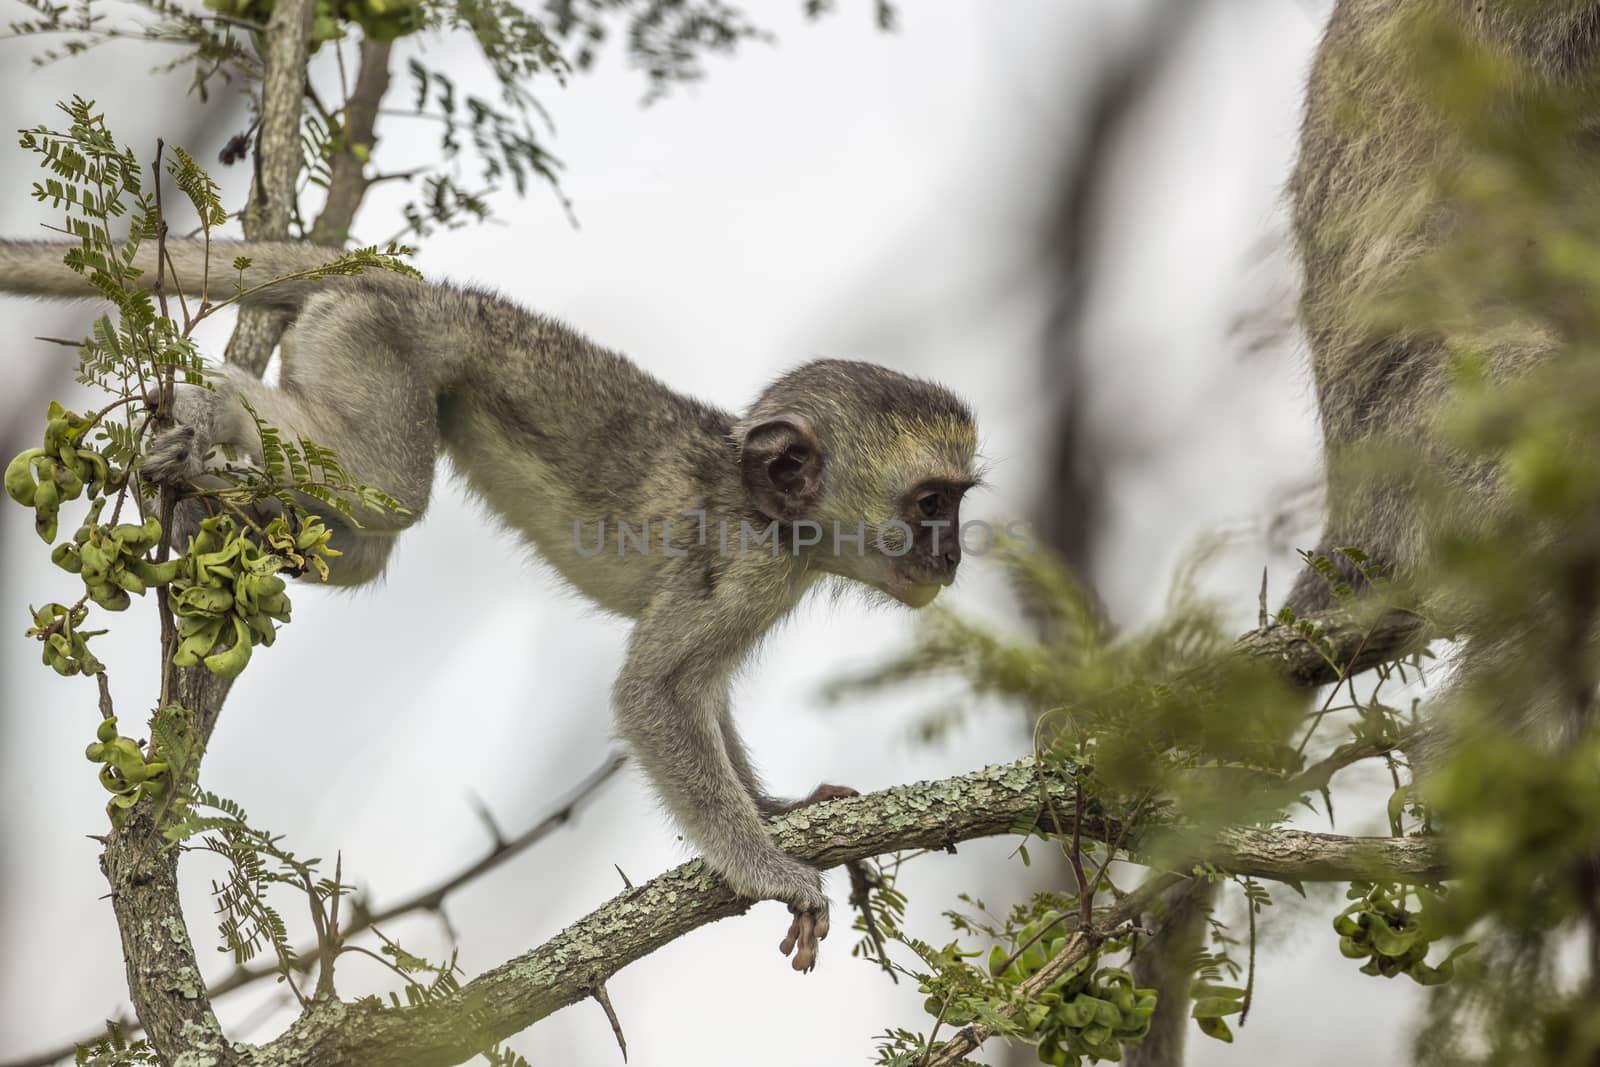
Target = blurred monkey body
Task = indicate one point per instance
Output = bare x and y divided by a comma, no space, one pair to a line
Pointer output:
703,528
1375,196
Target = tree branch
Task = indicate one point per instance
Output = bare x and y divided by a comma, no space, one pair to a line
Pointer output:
164,980
348,181
431,898
1351,645
1080,943
927,815
272,195
163,975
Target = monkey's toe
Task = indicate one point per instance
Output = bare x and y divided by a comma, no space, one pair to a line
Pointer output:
173,458
818,795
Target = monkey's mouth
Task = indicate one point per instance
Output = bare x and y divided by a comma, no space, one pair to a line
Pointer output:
913,594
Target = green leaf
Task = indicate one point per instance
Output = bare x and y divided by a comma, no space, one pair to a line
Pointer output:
1215,1007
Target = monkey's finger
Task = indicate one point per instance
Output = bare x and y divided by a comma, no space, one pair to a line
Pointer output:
822,926
805,953
786,946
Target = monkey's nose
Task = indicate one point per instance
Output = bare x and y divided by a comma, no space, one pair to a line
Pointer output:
951,560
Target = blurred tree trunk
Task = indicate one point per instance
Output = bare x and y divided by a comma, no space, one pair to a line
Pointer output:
1070,512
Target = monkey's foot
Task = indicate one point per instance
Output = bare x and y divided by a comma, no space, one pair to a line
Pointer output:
818,795
808,928
176,457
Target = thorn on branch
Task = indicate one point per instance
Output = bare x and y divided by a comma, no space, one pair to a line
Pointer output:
604,1000
486,817
395,176
626,882
1264,619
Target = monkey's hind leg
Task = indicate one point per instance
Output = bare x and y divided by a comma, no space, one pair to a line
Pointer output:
346,386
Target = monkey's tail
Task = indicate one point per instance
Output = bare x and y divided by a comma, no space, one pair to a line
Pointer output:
36,268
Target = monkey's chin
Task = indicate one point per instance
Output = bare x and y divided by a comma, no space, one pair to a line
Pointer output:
912,594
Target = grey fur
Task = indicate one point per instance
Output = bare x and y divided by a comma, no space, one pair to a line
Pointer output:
550,430
1371,202
1366,211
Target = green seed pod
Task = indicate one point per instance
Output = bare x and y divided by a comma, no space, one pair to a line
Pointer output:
113,784
19,477
46,506
67,481
230,661
198,642
65,556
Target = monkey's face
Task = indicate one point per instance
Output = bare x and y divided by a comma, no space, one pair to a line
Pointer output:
867,468
918,552
894,526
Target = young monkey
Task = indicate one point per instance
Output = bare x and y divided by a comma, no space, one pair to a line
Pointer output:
703,528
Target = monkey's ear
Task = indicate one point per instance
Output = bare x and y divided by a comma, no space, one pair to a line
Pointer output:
781,465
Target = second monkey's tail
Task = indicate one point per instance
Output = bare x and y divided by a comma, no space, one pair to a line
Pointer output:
35,268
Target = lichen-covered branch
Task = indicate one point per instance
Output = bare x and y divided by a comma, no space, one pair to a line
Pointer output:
163,975
173,1006
928,815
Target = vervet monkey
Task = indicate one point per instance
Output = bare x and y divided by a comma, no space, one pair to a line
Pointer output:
1376,153
702,527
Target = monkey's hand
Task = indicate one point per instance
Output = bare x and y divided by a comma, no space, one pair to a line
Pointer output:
800,886
810,924
808,928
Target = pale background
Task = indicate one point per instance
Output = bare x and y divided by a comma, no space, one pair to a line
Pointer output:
844,193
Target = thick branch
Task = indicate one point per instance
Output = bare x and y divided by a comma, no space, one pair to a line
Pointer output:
1354,646
1303,856
928,815
163,976
348,181
272,195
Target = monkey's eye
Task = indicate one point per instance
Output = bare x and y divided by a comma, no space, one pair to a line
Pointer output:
931,505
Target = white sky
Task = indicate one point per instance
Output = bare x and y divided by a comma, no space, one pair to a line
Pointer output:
844,193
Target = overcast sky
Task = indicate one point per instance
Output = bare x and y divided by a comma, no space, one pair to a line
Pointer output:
843,193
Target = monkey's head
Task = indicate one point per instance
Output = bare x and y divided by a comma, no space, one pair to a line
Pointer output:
866,468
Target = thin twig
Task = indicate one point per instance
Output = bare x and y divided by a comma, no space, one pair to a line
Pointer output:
861,899
1081,942
106,710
